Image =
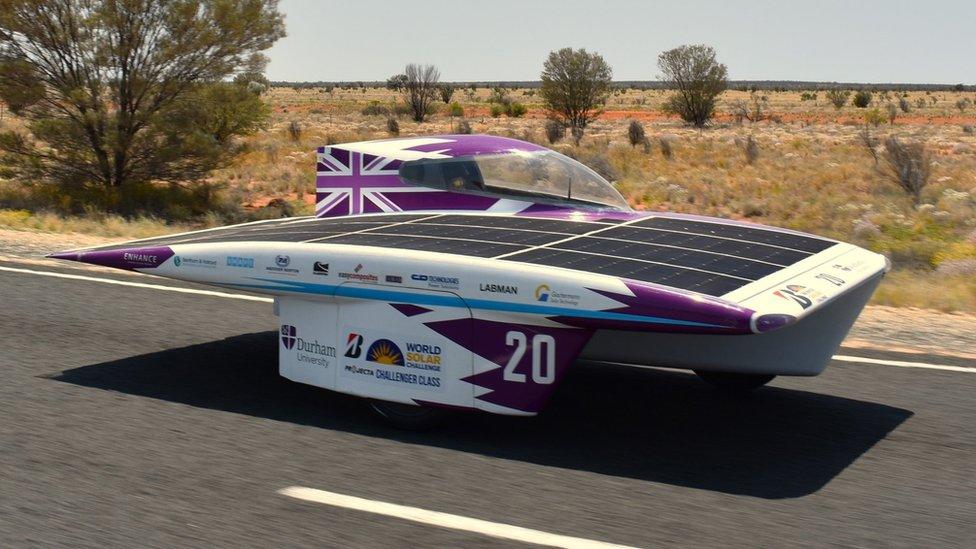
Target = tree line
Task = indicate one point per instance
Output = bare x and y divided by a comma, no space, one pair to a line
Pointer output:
575,83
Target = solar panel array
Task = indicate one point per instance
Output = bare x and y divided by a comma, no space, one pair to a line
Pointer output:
711,258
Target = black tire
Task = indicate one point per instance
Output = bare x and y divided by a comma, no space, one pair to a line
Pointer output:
735,383
409,417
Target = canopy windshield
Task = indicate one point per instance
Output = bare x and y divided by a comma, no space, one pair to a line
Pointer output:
540,176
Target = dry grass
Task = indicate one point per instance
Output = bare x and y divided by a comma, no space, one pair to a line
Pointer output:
107,225
942,293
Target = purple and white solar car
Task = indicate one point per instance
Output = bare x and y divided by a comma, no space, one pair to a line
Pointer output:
470,272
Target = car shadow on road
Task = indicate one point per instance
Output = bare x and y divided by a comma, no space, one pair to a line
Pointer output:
652,425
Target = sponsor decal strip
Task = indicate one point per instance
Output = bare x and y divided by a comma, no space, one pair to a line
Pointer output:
442,520
483,304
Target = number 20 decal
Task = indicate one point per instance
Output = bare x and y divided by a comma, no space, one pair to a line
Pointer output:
543,358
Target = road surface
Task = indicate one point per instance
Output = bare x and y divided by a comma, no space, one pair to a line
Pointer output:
138,416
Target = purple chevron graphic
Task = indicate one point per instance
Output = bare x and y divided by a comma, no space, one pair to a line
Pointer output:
409,309
528,395
653,301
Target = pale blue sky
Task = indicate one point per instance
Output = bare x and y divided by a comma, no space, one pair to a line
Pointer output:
916,41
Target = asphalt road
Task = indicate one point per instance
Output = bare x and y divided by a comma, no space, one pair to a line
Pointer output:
137,417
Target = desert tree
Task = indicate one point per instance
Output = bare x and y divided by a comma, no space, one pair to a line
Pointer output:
397,82
698,79
574,85
421,89
446,91
910,164
838,98
121,92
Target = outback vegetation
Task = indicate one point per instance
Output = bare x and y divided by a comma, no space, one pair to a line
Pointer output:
698,79
113,97
898,176
574,84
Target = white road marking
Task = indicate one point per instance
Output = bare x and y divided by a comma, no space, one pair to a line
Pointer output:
841,358
139,284
904,364
443,520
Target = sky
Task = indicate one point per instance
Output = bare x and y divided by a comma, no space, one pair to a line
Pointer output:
868,41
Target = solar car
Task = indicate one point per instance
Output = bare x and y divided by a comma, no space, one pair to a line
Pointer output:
470,272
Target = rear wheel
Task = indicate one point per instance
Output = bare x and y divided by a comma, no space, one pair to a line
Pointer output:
732,382
408,416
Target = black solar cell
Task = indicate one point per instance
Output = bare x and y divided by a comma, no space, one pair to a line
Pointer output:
473,233
459,247
751,234
761,252
520,223
675,277
681,257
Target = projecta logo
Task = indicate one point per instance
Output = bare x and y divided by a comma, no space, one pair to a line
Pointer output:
320,268
282,261
354,345
358,267
243,262
384,351
289,334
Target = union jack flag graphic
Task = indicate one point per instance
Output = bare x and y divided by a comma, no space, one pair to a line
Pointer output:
354,183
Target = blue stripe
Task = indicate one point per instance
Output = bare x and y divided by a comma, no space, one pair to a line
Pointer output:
454,301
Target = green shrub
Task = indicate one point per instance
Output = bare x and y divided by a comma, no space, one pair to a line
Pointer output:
874,117
496,110
516,109
375,109
456,109
838,98
862,99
